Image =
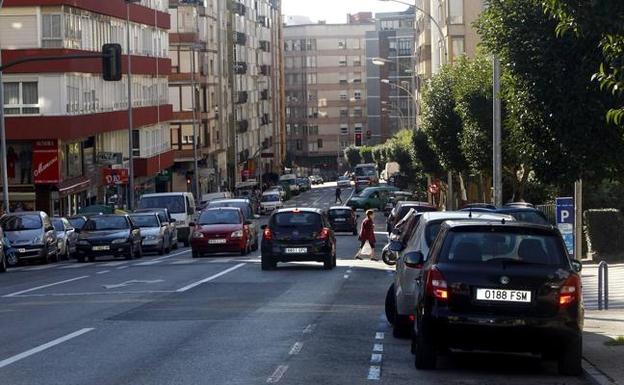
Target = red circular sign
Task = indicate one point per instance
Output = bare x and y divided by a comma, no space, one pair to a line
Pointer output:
434,188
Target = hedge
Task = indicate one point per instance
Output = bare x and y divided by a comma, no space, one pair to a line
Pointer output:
604,230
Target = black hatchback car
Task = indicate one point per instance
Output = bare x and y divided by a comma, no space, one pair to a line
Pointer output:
298,234
113,235
342,218
498,286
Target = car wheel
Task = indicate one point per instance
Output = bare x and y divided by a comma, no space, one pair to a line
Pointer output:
390,305
3,263
425,355
570,357
328,262
91,258
267,263
334,261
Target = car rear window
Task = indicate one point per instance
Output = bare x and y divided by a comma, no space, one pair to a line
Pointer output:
486,246
106,223
297,220
145,221
244,206
431,232
219,217
270,198
340,213
77,222
58,225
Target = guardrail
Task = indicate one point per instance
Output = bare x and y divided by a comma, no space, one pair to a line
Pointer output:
603,285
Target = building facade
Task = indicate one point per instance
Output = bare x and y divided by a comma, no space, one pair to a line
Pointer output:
67,129
326,97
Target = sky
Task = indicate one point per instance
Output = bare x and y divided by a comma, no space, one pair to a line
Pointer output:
335,11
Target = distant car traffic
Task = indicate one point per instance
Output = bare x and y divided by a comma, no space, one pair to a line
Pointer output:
219,230
298,234
270,201
344,181
371,198
290,181
304,184
110,234
316,179
499,286
165,217
32,236
342,218
279,189
155,233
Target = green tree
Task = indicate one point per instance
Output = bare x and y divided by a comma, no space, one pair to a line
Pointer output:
425,154
366,153
352,156
379,157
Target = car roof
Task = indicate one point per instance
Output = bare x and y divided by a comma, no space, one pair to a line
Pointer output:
109,216
340,208
221,208
145,214
233,200
170,194
414,203
301,209
517,209
20,213
501,224
463,215
270,193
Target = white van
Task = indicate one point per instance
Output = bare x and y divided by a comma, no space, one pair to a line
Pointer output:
290,180
181,206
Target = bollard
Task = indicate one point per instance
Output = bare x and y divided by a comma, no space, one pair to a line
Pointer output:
603,285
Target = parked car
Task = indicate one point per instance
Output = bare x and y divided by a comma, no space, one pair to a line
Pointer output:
222,229
248,214
4,250
342,218
155,234
499,286
109,234
298,234
181,206
401,209
270,201
519,205
31,235
77,221
525,214
371,198
316,179
165,217
403,292
343,182
66,236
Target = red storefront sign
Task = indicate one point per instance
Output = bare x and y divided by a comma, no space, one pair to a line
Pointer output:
114,176
45,160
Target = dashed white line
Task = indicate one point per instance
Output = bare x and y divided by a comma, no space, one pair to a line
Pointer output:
103,272
208,279
379,335
122,267
309,329
43,347
296,348
77,265
113,264
346,276
376,358
374,373
277,374
184,262
378,348
44,286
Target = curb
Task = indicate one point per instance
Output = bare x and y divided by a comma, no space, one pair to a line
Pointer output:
595,375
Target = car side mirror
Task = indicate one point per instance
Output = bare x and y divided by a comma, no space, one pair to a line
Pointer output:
414,259
396,246
577,265
263,227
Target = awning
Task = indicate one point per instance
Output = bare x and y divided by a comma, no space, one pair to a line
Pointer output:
73,186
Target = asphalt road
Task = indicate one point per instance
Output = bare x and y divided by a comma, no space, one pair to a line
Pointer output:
221,320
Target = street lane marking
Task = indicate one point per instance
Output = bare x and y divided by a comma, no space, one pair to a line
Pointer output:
379,336
346,276
113,264
44,267
160,259
103,272
184,262
309,329
77,265
221,260
44,286
376,358
128,283
277,374
122,267
43,347
378,348
296,348
92,293
212,277
374,373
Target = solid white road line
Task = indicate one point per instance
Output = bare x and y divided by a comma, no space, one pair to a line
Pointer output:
374,372
103,272
296,348
43,347
44,286
184,262
195,284
309,329
277,374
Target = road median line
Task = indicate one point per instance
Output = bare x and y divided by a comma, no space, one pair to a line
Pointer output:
208,279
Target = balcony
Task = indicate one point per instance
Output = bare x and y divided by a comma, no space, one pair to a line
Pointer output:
240,38
242,126
242,98
265,45
265,119
265,70
240,68
264,95
239,8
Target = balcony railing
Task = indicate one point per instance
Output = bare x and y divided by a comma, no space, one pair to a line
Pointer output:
265,69
240,68
242,98
240,38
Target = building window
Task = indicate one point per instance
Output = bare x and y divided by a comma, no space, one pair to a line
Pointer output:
357,94
74,159
311,61
357,129
319,143
342,44
457,44
342,62
343,95
456,11
344,129
187,139
405,47
344,113
299,144
311,78
51,31
311,45
21,98
357,61
343,79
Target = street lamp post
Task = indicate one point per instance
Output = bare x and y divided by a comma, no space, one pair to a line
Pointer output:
130,120
3,147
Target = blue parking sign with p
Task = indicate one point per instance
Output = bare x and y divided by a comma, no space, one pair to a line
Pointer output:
565,221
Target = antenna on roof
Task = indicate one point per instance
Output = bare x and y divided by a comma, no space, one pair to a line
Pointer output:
470,212
503,221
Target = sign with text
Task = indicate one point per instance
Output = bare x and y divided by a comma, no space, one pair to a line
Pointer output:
115,176
45,160
565,221
109,158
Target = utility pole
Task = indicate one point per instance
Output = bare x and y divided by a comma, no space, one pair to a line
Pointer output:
195,139
497,172
3,147
130,123
578,220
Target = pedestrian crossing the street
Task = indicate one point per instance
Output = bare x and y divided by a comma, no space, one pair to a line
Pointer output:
616,286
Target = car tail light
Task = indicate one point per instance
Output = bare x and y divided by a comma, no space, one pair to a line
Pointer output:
267,234
570,291
436,285
324,234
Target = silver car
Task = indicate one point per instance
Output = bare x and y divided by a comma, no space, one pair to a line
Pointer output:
155,233
412,254
66,236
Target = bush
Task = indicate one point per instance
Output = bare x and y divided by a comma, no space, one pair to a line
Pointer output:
604,229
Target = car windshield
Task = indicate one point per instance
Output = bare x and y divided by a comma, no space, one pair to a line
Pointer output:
145,220
297,219
365,171
490,246
77,222
21,222
219,217
270,198
340,213
58,225
174,203
106,223
244,206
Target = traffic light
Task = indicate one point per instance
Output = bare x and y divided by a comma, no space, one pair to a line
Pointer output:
111,62
358,139
189,177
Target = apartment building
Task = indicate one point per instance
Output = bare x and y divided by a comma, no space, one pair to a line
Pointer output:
390,63
67,129
325,85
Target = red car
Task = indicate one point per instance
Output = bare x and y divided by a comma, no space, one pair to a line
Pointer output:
221,230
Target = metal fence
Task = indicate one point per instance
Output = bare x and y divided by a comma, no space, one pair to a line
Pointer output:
550,211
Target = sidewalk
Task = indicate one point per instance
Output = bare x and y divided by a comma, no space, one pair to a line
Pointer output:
603,364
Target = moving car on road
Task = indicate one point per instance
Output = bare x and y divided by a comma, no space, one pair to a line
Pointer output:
248,214
365,175
342,218
298,234
304,184
220,230
270,201
66,236
31,235
155,233
279,189
499,286
109,234
290,181
344,182
371,198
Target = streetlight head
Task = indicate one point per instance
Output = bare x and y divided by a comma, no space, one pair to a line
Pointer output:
385,81
378,61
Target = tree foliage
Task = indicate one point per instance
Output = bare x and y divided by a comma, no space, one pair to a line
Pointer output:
425,154
366,153
352,156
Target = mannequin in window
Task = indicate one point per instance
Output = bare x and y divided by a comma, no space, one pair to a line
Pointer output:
25,161
11,160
